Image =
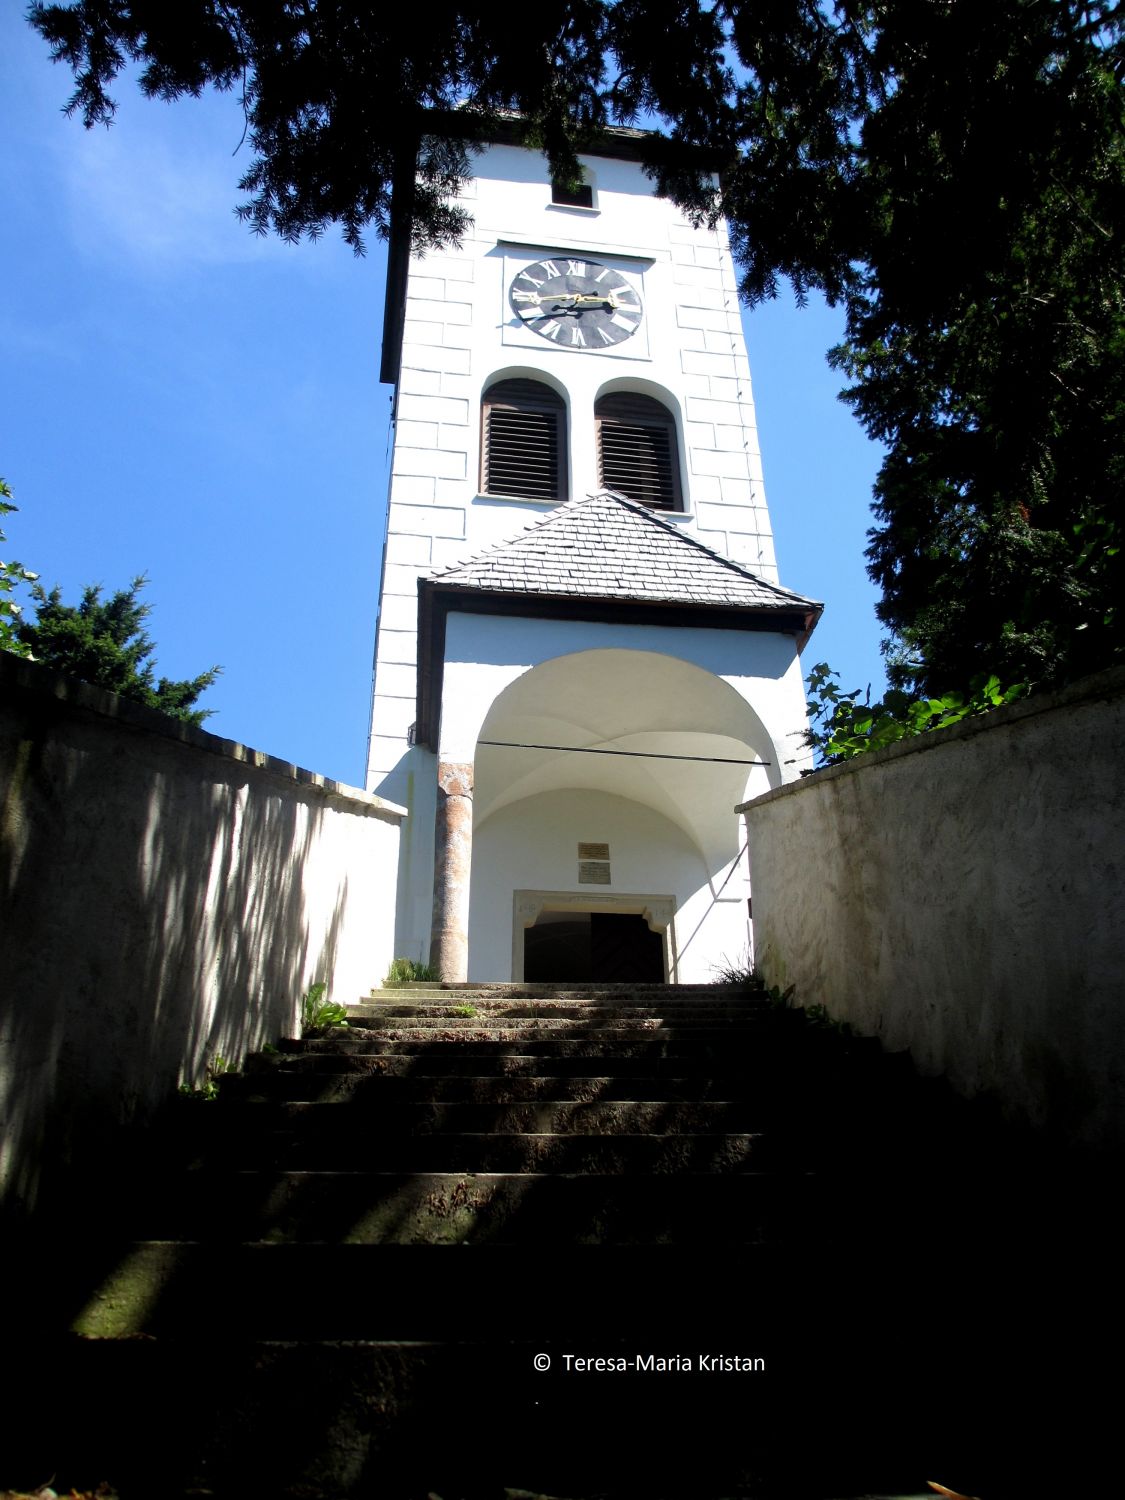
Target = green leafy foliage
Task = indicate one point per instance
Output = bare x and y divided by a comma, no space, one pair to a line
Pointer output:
463,1010
844,725
410,970
104,642
779,999
11,574
317,1013
820,1017
208,1090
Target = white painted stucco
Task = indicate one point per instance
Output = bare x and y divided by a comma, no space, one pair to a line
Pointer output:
532,844
661,690
166,897
460,335
690,707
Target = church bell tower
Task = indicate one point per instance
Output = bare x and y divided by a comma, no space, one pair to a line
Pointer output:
584,658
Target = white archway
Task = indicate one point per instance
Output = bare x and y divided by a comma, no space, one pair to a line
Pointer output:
652,728
644,753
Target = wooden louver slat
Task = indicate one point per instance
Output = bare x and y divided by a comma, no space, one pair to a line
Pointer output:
637,451
523,441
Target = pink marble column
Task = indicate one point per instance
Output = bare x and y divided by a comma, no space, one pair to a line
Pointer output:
453,858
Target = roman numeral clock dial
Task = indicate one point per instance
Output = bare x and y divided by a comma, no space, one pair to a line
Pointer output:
576,304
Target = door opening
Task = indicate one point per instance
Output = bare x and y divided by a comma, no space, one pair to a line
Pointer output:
592,947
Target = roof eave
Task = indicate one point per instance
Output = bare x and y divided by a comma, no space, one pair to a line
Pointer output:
436,600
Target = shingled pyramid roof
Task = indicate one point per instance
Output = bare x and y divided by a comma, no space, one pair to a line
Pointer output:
603,546
597,558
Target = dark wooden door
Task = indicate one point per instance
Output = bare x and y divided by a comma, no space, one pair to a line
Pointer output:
624,950
558,952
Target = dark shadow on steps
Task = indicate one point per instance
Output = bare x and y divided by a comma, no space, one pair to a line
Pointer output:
924,1309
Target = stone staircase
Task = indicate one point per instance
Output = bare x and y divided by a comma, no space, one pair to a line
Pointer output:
500,1116
269,1296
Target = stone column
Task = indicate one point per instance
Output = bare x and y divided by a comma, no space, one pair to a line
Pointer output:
453,858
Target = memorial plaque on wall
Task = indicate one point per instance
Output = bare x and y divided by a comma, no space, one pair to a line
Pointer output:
593,864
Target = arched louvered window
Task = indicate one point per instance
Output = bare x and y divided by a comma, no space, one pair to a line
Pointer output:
637,451
523,442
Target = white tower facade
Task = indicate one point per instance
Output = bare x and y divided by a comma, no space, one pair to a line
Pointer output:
584,659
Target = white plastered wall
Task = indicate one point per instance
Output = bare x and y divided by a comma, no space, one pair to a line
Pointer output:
459,335
532,845
721,698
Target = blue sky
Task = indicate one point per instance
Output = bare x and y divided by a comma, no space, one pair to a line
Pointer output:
182,399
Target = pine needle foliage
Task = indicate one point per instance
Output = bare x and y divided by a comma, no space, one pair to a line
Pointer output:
104,642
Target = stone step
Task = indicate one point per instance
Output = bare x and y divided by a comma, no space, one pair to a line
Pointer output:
290,1291
485,1042
452,1059
337,1134
492,1150
618,993
233,1290
590,993
494,1208
362,1089
589,1011
208,1126
464,1029
578,1024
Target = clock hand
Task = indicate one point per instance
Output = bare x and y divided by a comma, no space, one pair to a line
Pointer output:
612,300
555,310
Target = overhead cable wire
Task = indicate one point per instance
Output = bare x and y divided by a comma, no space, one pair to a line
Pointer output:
710,760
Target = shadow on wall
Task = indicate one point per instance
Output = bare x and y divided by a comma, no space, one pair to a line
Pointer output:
163,902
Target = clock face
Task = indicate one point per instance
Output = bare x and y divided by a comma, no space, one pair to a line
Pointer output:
577,304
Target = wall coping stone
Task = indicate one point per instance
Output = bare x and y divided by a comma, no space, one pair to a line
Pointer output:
19,674
1104,685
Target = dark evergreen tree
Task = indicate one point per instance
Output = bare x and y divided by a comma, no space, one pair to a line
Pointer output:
951,172
105,643
986,341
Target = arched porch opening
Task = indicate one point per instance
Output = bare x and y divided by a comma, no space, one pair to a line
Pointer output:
605,783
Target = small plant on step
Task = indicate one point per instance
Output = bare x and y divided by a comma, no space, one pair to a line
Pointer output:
209,1088
778,998
743,973
739,971
819,1015
411,971
317,1013
463,1010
